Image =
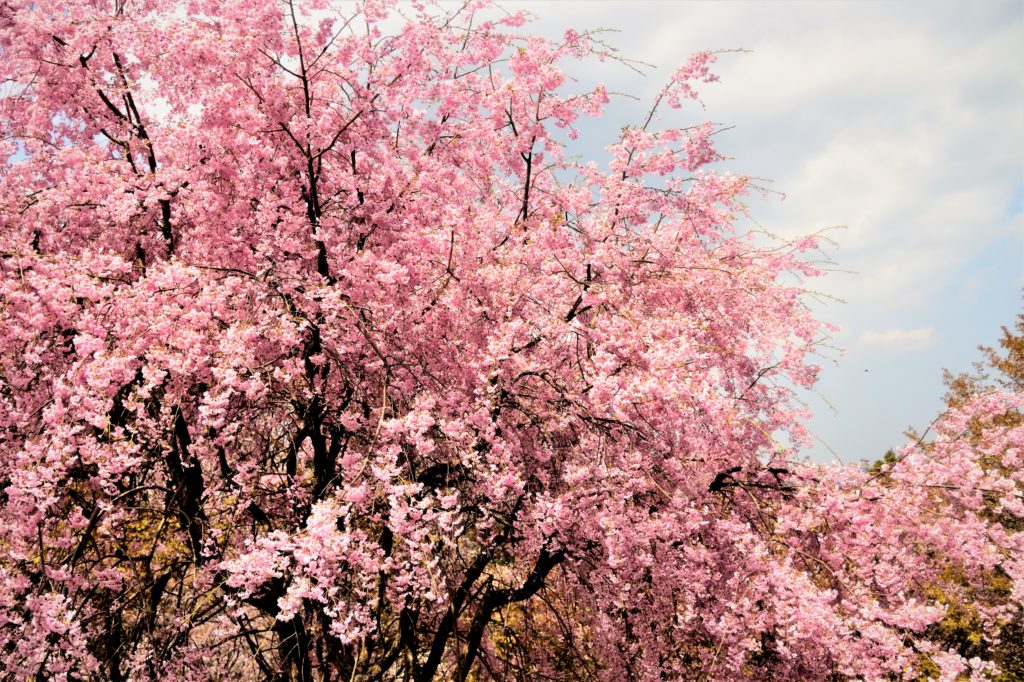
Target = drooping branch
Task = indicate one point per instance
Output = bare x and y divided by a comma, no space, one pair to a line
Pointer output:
494,599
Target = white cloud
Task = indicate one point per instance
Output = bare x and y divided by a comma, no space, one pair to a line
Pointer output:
899,339
904,126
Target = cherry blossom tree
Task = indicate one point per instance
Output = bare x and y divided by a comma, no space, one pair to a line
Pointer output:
965,625
323,358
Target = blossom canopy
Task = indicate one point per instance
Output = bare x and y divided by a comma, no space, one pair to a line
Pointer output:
324,359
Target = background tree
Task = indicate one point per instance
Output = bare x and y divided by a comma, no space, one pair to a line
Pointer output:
1001,368
323,360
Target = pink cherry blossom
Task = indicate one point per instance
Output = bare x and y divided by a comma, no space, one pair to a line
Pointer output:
325,358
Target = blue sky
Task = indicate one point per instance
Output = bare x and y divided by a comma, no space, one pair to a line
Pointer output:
903,122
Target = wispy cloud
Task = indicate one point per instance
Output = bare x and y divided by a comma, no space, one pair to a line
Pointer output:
898,339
